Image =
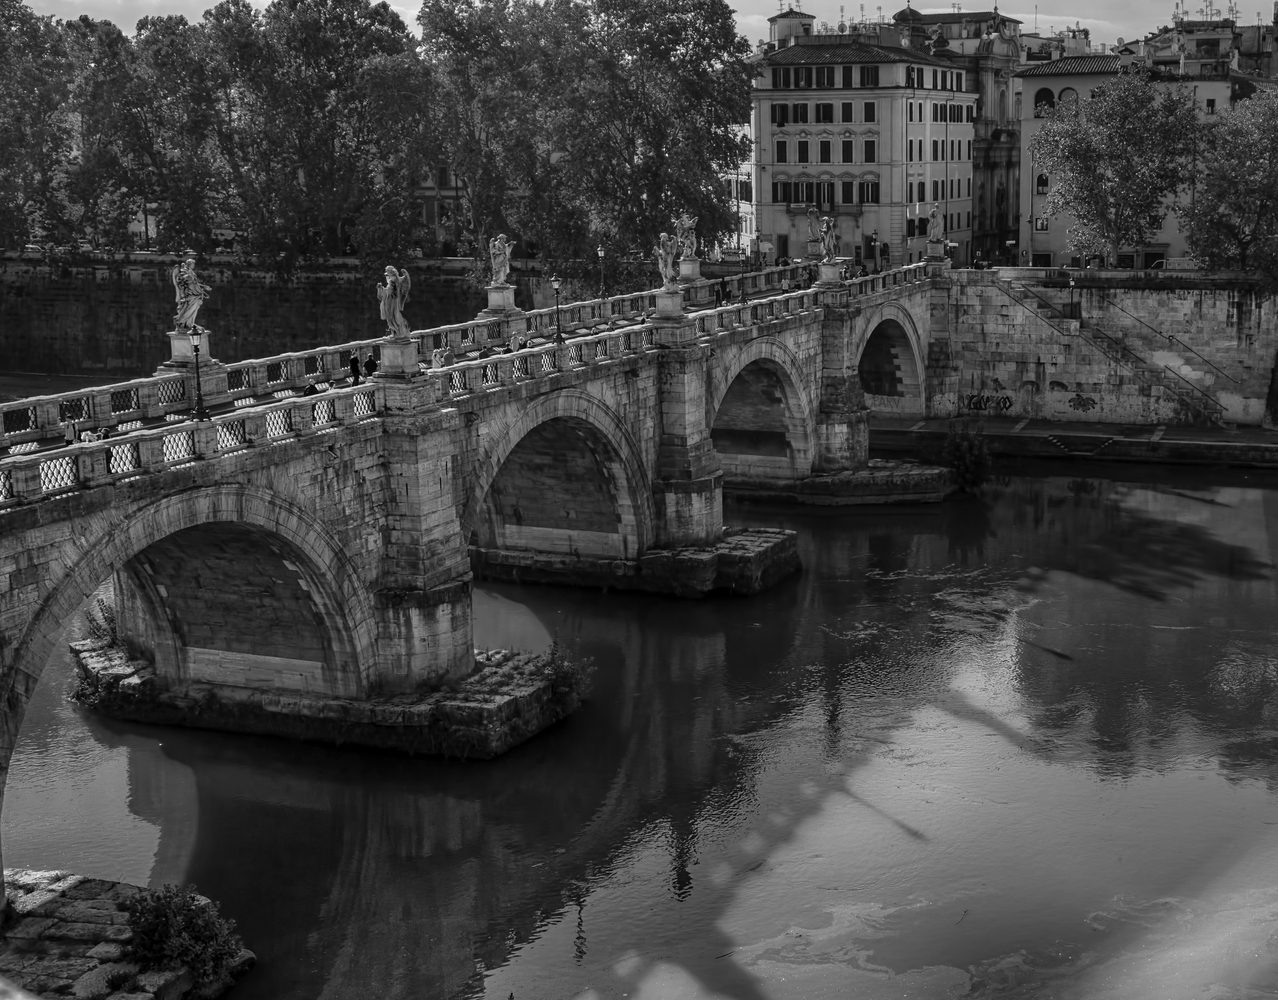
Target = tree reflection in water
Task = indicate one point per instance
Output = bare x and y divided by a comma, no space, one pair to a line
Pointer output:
358,874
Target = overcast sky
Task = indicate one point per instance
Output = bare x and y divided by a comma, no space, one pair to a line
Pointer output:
1107,19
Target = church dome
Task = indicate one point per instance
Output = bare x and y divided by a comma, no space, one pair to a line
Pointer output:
907,16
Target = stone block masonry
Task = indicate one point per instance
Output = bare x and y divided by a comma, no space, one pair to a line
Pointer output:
68,935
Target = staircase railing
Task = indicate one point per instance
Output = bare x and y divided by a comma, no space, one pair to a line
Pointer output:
1171,339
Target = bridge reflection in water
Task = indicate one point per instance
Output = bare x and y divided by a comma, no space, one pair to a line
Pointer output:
770,797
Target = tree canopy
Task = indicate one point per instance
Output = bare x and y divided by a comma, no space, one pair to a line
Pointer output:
311,124
1233,219
1118,160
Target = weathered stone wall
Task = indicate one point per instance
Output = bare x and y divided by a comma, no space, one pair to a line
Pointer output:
1004,358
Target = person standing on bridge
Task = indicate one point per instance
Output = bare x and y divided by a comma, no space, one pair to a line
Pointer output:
370,365
354,369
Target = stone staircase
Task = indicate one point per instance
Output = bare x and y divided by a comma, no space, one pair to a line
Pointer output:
1203,407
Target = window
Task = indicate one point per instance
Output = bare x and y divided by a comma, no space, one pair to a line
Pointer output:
935,147
781,151
800,114
922,188
824,150
869,76
951,149
971,113
825,114
781,77
909,76
936,113
1211,105
746,189
780,115
909,107
969,151
803,76
803,151
1044,101
909,150
1069,99
849,77
867,192
936,190
934,79
956,112
969,220
871,152
969,187
825,76
1041,184
782,192
847,113
825,194
849,151
1040,224
848,192
803,192
870,109
909,228
920,103
958,81
922,227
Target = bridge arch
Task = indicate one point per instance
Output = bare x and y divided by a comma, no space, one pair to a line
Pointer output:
760,419
890,362
186,531
564,475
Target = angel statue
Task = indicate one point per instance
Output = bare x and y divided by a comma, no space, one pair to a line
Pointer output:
499,249
664,254
686,235
934,224
393,296
829,240
190,295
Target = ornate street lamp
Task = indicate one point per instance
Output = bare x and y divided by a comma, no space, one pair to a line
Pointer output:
197,337
874,249
758,249
1072,313
600,251
555,282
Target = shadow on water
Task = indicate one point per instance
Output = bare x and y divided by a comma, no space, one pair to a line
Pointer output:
362,874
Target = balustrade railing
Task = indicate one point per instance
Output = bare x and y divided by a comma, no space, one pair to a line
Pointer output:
29,476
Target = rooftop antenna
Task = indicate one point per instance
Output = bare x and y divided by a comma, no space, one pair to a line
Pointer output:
1036,19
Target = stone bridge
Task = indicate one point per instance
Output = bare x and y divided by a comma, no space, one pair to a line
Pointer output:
315,535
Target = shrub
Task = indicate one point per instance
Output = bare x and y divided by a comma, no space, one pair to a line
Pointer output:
103,626
965,453
570,677
174,926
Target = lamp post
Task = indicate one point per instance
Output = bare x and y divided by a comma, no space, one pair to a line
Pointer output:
555,282
197,338
600,251
1072,313
758,249
874,249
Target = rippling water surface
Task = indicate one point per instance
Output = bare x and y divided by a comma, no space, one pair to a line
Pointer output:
1025,746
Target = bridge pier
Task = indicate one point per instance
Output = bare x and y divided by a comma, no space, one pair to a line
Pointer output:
689,484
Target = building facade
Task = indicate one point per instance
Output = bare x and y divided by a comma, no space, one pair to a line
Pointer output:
871,135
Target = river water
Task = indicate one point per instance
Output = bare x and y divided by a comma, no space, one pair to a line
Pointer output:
1024,745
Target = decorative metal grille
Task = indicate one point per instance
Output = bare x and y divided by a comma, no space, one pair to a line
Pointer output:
647,336
230,435
490,374
124,400
73,409
57,474
574,354
627,340
128,425
279,423
548,361
601,349
6,486
456,382
521,367
364,405
244,401
24,448
314,364
172,391
19,420
276,371
178,447
323,413
344,359
124,458
468,335
238,379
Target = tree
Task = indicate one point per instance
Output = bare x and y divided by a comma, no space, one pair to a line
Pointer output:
1117,160
1233,220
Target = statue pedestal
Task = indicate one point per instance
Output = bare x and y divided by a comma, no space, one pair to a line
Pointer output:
689,269
935,250
399,360
815,250
501,299
182,353
669,302
828,275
